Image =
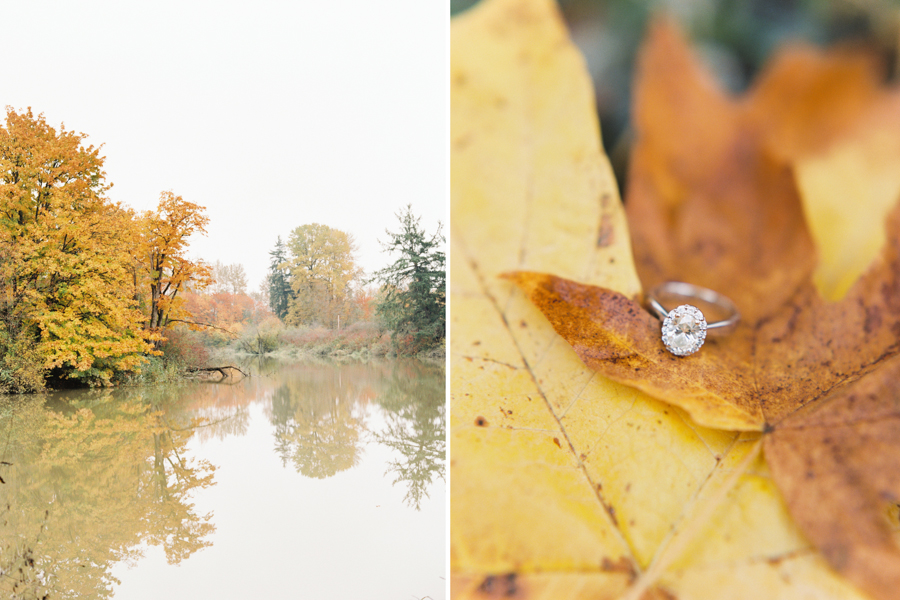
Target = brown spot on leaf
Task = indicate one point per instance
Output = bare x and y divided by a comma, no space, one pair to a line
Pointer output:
556,441
606,232
462,142
873,319
620,565
499,586
481,421
658,593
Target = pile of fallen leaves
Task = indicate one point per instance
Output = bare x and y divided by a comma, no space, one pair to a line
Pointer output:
587,461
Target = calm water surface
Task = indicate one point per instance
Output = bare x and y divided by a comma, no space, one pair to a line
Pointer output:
307,480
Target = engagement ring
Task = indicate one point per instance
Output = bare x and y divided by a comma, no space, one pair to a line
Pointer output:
684,327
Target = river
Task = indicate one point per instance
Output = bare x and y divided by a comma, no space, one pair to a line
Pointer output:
313,479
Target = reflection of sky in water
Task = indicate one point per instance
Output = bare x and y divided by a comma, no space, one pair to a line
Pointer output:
280,534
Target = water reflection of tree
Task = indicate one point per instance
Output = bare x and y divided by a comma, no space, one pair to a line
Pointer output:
415,412
225,407
172,522
89,482
317,421
318,413
221,423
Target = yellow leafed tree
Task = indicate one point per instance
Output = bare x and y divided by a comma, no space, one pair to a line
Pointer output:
163,260
64,259
323,271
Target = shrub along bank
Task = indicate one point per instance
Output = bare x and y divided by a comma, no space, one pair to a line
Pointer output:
360,339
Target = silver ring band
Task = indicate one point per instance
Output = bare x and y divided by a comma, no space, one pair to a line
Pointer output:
689,290
684,327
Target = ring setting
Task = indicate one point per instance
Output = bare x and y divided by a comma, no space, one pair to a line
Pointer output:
684,327
684,330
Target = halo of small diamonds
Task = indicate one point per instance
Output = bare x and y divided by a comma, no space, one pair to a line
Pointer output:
684,330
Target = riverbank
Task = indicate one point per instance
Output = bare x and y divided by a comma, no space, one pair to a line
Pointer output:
185,351
359,341
435,354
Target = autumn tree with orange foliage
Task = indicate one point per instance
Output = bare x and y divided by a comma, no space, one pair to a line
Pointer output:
64,259
223,309
163,257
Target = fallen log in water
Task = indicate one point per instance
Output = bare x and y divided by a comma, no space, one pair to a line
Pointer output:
221,370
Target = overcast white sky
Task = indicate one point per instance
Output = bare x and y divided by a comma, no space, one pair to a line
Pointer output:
270,114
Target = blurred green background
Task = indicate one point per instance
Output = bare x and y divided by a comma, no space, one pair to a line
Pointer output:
734,37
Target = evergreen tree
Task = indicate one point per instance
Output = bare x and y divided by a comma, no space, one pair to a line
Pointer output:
279,283
414,286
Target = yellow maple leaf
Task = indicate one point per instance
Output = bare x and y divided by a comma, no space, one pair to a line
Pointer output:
565,484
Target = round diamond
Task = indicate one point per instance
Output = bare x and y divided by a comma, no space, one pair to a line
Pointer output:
684,330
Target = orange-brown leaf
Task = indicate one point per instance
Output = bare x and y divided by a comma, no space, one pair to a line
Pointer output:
836,464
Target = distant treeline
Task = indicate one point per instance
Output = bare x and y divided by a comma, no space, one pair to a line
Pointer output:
314,281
